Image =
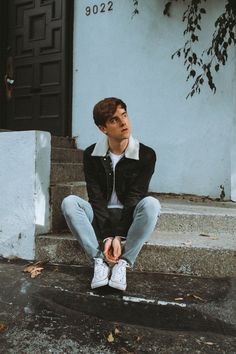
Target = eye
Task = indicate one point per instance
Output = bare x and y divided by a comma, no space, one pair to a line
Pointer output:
113,120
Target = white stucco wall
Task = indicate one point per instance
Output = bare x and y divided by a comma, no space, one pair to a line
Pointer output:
115,55
24,193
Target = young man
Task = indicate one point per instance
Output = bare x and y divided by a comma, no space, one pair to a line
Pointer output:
117,171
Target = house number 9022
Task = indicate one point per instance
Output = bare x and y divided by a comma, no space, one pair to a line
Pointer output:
95,9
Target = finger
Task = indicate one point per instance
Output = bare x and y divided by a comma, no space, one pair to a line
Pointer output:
107,245
111,259
116,248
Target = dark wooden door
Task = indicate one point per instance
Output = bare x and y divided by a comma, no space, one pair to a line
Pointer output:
39,48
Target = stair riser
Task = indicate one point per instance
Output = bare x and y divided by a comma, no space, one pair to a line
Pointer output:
58,193
66,155
66,172
207,224
210,224
182,260
63,142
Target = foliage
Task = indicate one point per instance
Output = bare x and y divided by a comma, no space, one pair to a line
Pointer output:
136,11
200,67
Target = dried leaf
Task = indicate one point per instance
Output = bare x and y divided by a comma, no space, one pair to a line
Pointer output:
110,338
187,243
3,327
36,272
117,331
209,343
34,269
139,338
205,235
179,298
196,297
212,237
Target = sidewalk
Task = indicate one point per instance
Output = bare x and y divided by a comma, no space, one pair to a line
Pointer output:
57,313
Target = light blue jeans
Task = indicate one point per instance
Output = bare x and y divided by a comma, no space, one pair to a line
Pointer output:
79,216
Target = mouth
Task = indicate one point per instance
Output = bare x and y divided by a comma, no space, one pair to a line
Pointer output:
124,130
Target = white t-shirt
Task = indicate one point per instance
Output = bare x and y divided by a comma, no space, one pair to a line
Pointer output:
114,201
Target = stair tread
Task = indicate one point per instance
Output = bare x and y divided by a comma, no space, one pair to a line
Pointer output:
67,163
224,241
69,184
187,208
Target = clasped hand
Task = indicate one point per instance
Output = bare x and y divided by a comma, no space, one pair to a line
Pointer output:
112,249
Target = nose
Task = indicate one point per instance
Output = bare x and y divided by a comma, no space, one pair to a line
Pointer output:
122,122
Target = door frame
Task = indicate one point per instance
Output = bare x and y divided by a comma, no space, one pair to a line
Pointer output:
68,52
69,64
3,51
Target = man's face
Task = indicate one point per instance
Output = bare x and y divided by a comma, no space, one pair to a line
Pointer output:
118,126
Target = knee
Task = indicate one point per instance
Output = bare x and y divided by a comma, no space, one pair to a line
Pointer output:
151,206
69,203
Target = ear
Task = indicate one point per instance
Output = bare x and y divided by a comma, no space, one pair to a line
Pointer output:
103,128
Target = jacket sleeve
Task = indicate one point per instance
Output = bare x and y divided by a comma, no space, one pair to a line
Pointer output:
137,191
96,197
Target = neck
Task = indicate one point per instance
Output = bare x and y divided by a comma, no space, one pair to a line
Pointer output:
118,147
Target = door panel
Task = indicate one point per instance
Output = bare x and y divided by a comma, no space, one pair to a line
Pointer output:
39,32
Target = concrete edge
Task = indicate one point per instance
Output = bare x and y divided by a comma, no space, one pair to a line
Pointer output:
154,258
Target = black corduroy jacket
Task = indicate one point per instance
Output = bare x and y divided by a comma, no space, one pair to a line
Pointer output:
132,177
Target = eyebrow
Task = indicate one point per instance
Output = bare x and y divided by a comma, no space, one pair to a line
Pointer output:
125,112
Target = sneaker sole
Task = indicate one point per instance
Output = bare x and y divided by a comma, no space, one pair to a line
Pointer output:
99,284
118,286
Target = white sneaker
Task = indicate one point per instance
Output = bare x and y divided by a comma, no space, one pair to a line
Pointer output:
101,273
118,277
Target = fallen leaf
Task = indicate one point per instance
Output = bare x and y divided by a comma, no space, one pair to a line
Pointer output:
196,297
3,327
212,237
34,269
126,351
187,243
117,331
36,272
179,298
209,343
110,338
205,235
139,338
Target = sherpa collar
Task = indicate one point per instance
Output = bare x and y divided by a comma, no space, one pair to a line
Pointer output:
131,152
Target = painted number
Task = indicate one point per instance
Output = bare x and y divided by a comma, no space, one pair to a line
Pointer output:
95,9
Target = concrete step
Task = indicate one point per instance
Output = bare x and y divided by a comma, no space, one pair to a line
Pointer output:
211,218
66,172
206,217
57,194
63,142
66,155
182,253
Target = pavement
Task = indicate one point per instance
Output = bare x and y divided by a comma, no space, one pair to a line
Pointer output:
57,312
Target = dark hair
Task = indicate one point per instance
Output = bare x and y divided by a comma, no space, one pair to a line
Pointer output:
105,109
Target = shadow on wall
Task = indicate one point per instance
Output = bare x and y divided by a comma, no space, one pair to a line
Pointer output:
42,182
